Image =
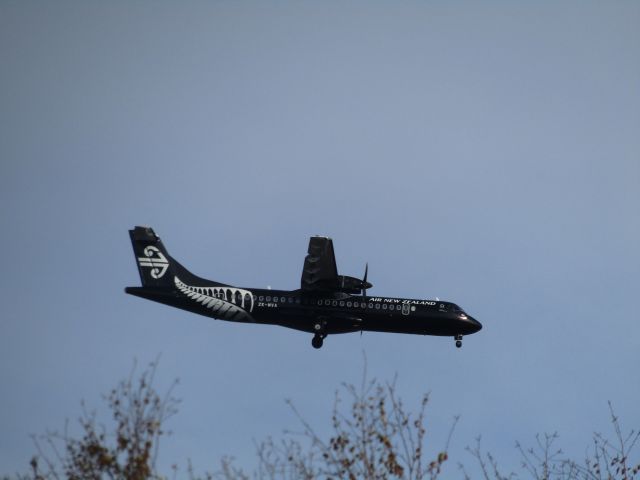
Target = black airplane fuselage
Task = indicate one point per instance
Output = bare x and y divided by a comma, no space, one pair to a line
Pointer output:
321,310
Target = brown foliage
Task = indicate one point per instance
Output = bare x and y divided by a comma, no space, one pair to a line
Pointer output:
127,452
373,437
606,460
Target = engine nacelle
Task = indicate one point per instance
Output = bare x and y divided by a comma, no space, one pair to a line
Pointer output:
352,285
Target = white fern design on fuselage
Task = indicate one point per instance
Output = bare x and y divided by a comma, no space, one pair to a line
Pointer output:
222,301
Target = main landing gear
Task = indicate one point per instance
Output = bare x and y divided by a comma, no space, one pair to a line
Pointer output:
318,338
458,339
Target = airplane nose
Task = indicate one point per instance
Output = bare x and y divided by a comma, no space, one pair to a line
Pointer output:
476,325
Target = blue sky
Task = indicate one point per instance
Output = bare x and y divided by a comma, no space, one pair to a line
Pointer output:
484,153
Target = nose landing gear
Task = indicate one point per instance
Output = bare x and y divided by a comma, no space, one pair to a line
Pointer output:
458,339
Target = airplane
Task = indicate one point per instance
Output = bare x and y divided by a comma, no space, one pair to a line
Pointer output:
325,304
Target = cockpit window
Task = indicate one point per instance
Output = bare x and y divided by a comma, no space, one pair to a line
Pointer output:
456,308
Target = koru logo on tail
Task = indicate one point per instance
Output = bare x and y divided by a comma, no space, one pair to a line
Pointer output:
155,260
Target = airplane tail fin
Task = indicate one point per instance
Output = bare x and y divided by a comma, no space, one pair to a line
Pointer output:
155,265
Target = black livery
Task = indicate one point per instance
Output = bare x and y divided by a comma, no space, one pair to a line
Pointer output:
326,302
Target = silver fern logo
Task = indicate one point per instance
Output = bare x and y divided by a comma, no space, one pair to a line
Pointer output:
228,303
155,260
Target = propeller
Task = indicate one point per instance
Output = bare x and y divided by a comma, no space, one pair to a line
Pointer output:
365,284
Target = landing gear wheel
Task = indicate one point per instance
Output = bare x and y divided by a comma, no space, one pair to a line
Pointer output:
458,339
316,341
458,343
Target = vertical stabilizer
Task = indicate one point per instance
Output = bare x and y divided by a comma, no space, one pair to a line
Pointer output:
156,267
154,263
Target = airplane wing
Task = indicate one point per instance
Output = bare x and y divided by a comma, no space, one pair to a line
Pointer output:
319,271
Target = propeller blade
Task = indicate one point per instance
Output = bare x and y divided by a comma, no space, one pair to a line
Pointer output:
364,280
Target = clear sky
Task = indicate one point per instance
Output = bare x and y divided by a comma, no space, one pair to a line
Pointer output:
486,153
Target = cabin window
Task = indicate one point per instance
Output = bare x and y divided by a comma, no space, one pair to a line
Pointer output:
384,306
334,303
371,305
261,298
377,306
405,309
356,304
298,301
349,304
282,299
268,299
413,309
341,303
